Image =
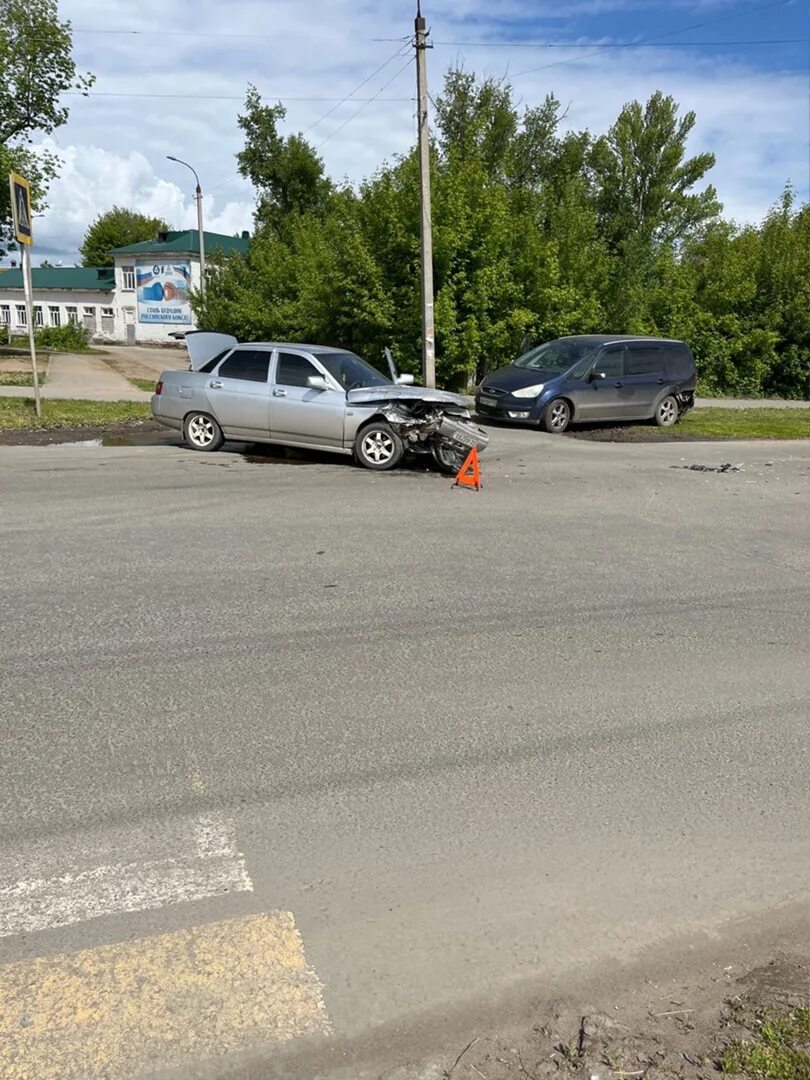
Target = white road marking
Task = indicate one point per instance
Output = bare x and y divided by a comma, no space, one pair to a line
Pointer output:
212,868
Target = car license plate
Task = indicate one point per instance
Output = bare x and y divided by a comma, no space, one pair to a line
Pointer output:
487,400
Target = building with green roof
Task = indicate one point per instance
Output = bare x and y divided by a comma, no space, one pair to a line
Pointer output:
142,299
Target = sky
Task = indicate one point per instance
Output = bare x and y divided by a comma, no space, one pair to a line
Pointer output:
171,78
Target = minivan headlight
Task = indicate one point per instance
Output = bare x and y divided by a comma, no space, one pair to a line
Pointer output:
529,391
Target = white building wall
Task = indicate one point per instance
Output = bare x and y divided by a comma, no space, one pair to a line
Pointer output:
89,306
123,324
127,307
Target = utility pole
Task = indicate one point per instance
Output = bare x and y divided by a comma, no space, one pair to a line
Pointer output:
428,326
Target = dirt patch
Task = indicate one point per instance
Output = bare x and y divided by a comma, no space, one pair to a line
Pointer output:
667,1031
128,429
635,434
144,367
22,363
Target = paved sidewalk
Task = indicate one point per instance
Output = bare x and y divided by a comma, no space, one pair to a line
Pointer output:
749,403
83,377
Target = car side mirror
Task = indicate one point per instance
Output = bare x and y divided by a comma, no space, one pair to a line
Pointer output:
598,375
405,380
317,382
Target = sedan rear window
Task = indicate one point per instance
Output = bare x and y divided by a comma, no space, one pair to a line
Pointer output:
206,369
250,364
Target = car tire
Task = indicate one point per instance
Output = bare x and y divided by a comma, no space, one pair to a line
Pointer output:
448,458
377,446
667,412
202,432
556,416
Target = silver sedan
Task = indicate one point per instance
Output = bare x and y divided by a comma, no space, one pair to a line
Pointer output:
310,396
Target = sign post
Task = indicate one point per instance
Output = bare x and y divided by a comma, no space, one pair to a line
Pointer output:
24,233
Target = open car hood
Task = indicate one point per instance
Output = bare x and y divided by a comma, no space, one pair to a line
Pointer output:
370,395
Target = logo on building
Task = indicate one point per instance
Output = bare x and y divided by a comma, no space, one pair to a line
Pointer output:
162,292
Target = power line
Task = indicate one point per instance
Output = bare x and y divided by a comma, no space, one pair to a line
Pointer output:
340,101
362,107
360,86
173,33
657,37
618,44
216,97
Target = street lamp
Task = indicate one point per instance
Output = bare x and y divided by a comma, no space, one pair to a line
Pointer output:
199,199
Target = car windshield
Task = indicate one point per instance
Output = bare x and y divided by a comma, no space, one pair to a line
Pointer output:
556,356
350,371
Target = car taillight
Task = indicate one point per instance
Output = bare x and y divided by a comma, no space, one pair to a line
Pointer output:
159,386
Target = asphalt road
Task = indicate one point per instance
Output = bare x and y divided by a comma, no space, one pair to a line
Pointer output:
465,742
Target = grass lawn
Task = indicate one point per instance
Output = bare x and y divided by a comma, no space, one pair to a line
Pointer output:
18,413
744,424
20,378
144,384
778,1050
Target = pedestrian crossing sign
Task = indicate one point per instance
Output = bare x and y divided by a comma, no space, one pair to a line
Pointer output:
21,208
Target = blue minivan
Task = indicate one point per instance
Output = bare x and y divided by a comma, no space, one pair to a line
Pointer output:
590,378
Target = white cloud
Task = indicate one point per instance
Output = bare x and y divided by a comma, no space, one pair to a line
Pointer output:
93,179
115,147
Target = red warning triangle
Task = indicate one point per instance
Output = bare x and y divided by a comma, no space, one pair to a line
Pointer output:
469,475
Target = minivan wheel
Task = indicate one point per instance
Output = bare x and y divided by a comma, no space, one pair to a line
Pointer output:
557,416
667,412
377,446
202,432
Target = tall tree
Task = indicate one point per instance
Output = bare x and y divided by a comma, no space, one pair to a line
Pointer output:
537,234
115,228
287,173
36,67
644,179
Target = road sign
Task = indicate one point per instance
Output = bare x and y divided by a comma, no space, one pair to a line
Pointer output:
21,208
24,232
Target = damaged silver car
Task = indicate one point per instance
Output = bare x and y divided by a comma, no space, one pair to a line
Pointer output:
310,396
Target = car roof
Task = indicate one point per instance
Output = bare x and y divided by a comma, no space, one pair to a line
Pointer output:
606,339
290,345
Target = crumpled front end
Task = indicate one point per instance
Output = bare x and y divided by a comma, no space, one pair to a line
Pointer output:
446,431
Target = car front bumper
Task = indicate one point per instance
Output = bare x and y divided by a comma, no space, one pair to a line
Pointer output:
510,409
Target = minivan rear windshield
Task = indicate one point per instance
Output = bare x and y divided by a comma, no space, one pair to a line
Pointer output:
556,356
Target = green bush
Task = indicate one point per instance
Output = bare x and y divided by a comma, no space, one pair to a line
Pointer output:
71,338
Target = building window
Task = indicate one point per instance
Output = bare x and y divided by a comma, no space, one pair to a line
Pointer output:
53,315
39,320
107,313
72,315
5,315
128,277
89,312
22,319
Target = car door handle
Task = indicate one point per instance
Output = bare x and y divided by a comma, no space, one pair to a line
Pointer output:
617,384
278,392
216,384
661,382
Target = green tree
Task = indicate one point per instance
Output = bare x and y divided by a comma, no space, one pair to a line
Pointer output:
37,66
536,234
286,172
643,178
115,228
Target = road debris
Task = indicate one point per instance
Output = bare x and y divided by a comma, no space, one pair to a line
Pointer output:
726,467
